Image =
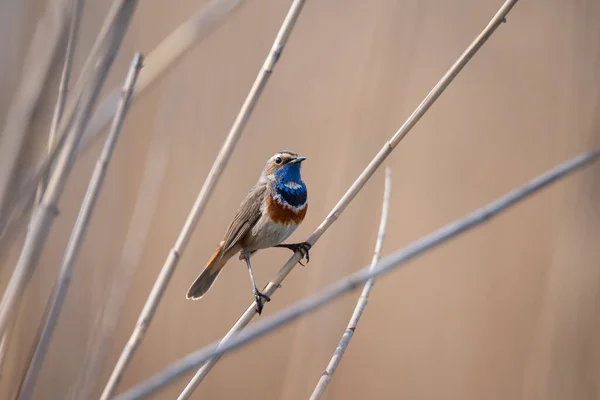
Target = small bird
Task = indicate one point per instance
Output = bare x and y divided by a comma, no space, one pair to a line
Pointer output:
270,213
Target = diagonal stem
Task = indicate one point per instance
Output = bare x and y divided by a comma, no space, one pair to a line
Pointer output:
77,6
47,210
77,235
38,62
144,209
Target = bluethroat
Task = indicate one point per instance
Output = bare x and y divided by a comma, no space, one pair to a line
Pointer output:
270,213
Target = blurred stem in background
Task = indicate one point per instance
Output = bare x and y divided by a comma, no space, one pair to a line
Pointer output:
102,57
144,210
38,62
63,87
78,234
77,8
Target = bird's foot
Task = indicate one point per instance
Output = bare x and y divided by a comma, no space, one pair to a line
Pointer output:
303,248
259,296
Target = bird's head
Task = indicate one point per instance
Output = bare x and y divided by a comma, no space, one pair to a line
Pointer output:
284,167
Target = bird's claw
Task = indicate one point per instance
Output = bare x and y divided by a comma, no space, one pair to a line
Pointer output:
258,297
303,248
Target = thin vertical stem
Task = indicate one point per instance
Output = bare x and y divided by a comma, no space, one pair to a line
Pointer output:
4,342
78,233
363,178
160,285
362,301
63,87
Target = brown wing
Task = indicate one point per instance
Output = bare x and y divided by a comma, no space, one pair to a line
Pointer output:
245,217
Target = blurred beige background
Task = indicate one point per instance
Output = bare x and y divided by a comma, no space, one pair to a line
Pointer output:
507,311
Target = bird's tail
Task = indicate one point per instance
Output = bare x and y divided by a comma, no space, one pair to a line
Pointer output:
209,274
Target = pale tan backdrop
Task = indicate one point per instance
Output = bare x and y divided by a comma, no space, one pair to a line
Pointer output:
508,311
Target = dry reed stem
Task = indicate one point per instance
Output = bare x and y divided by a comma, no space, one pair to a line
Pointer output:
176,252
387,148
77,6
79,231
76,10
354,281
4,345
157,63
164,56
9,229
38,62
48,207
63,87
139,226
362,300
26,192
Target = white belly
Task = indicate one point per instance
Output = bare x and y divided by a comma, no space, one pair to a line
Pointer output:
267,233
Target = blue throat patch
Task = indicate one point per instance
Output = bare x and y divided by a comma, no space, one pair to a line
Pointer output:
287,174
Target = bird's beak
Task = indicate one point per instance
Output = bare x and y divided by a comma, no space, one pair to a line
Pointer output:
297,160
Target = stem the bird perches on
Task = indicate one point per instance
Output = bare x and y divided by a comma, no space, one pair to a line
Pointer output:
362,300
47,210
352,282
77,235
157,63
174,255
356,187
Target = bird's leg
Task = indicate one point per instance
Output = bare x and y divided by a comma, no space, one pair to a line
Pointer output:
258,296
303,248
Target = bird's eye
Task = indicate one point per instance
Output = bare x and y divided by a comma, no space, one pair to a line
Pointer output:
278,160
